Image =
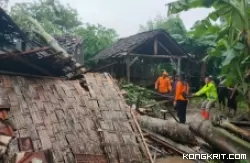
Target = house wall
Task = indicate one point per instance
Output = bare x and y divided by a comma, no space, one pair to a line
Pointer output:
68,119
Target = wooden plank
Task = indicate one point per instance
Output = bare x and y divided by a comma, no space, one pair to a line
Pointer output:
30,51
142,137
155,56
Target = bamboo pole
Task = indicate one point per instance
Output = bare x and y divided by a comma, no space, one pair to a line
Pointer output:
143,140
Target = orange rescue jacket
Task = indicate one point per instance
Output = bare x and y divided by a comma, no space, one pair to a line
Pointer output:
181,88
163,85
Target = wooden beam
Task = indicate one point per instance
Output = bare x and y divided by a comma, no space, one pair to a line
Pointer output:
155,56
129,63
165,48
28,75
128,69
98,69
179,66
36,50
133,61
155,46
52,55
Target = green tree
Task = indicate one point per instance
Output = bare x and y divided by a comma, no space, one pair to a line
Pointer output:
96,38
59,19
188,39
173,25
54,16
232,38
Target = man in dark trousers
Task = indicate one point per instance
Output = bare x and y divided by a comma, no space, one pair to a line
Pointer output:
231,101
181,92
222,94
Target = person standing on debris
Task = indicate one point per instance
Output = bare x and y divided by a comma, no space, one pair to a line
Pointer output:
181,92
163,84
211,93
222,94
231,101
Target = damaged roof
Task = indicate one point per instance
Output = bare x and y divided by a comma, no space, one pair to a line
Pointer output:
47,119
9,31
69,43
19,55
72,122
135,44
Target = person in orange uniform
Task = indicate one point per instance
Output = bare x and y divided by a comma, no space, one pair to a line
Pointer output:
181,92
163,84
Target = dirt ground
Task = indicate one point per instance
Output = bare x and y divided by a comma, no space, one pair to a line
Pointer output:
173,159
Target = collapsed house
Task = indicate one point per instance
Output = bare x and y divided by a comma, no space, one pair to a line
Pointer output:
137,57
47,118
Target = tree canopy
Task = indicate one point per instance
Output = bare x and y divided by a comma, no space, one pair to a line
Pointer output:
189,40
232,36
60,19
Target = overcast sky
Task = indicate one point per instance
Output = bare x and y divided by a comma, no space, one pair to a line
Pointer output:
125,16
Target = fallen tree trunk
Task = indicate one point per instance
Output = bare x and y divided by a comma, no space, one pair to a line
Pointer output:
47,37
168,143
175,131
241,123
220,138
245,135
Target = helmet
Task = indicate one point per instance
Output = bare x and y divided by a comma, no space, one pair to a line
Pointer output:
164,73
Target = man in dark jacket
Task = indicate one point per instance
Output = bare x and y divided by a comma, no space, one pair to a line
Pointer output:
232,101
222,94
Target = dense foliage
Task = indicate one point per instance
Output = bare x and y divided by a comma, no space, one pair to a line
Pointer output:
59,19
189,40
134,92
232,36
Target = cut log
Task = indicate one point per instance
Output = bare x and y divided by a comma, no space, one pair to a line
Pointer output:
175,131
220,138
245,135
